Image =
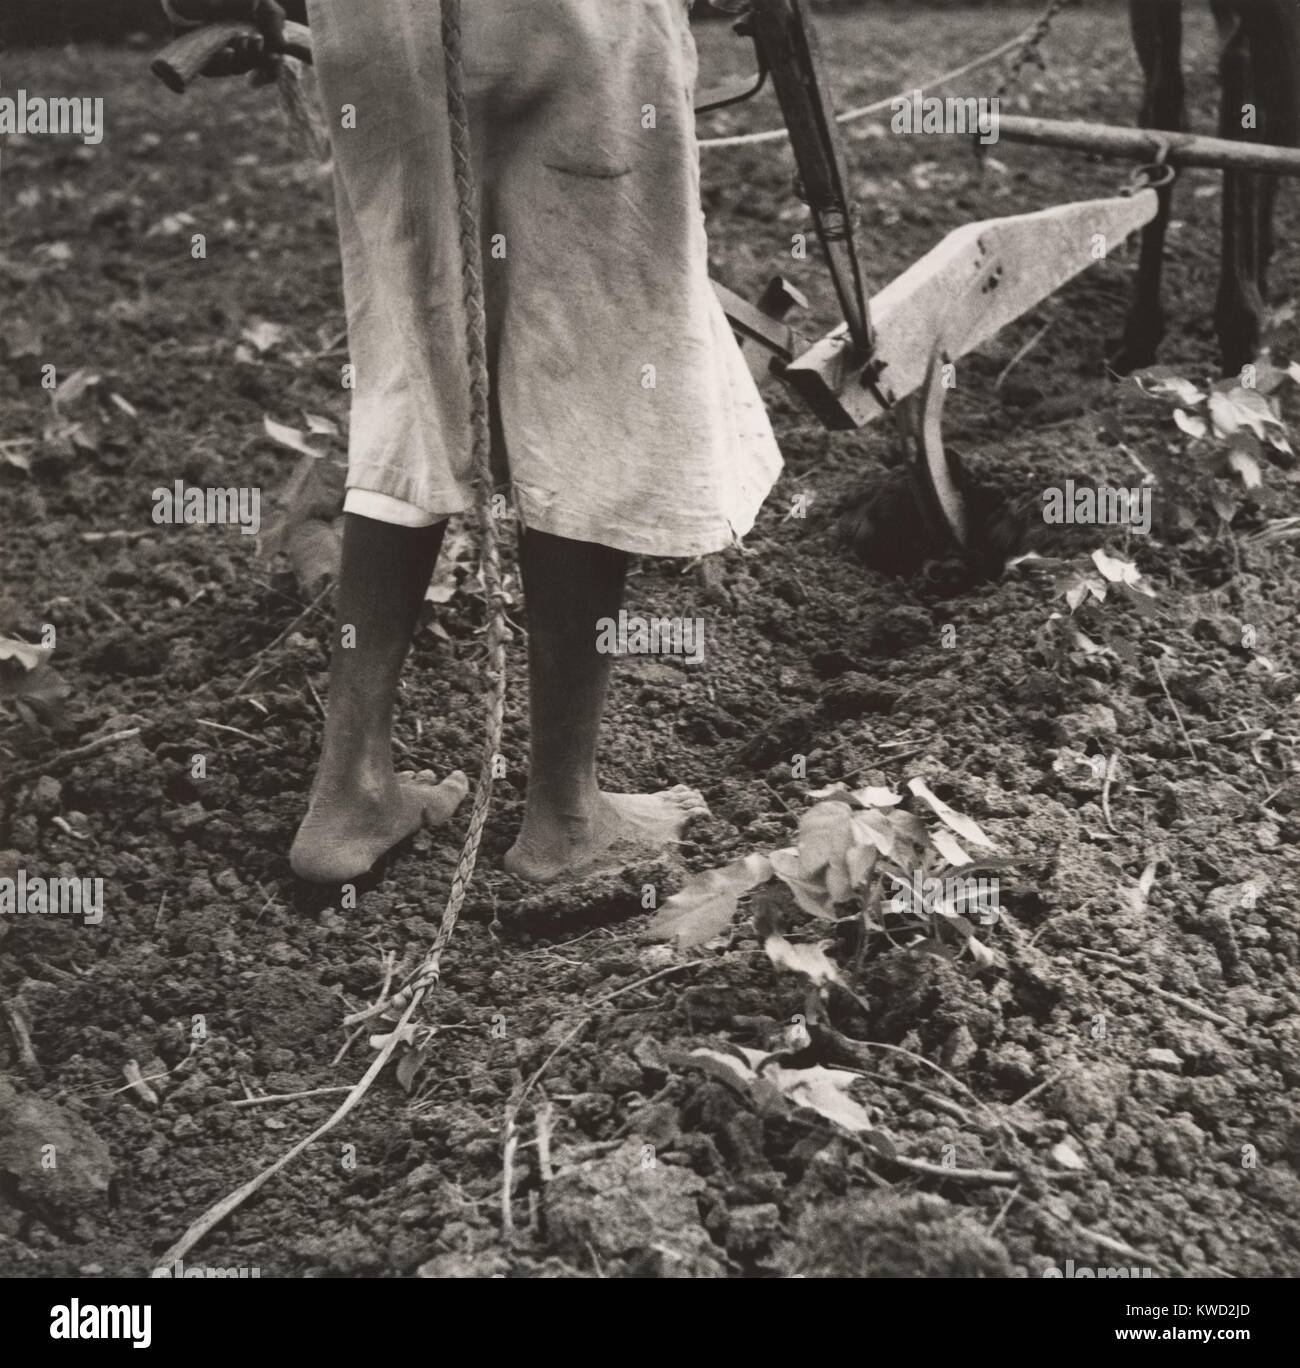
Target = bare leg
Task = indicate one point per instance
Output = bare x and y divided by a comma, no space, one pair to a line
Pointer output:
569,824
359,806
1157,35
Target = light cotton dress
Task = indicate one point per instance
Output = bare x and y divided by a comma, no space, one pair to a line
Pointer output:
624,413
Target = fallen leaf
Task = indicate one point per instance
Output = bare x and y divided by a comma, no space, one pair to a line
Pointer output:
1190,423
41,689
809,960
1171,387
1066,1157
1116,570
24,655
263,335
1078,588
823,1091
1137,898
1268,376
75,386
1246,466
1026,559
876,796
726,1066
458,551
1240,408
982,955
706,905
1089,647
407,1067
963,826
289,437
172,225
1119,571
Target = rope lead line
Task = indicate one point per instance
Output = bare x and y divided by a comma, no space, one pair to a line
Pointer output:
410,997
489,549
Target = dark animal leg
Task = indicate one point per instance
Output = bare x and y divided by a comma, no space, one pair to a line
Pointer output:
1238,308
1275,58
1158,36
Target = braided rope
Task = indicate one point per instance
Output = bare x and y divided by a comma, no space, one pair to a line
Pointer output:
489,550
498,633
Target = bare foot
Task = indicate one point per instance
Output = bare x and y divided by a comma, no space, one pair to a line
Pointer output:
621,827
344,833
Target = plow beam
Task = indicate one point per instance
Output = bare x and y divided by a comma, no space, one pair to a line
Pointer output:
1139,144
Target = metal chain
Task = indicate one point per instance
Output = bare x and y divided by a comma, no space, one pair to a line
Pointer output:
1029,49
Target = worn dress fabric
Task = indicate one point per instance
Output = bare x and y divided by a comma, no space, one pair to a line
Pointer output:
623,411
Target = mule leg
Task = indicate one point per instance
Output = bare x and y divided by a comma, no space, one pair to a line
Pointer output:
1239,307
1275,57
1158,37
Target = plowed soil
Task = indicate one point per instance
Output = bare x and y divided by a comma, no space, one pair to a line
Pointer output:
223,978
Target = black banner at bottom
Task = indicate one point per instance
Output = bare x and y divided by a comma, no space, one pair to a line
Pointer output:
363,1316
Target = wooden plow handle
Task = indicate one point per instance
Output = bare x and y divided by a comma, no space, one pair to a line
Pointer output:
185,57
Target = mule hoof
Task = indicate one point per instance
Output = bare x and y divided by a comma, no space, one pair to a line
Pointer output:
1126,354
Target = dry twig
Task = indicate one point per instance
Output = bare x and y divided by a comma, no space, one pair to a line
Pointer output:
1169,698
68,757
288,1097
1137,981
22,1040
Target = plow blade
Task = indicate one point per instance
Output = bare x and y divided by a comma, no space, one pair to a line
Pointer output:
977,280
